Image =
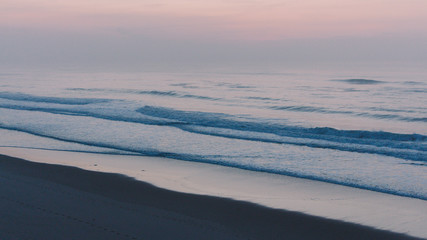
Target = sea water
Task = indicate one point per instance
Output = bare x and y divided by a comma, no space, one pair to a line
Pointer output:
365,129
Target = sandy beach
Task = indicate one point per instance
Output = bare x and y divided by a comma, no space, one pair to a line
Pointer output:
47,201
199,120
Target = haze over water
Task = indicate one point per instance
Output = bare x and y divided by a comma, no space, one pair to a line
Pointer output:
134,34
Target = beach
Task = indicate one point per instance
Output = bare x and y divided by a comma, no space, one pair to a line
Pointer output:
51,201
213,120
213,155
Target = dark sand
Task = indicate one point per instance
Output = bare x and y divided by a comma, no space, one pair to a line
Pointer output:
44,201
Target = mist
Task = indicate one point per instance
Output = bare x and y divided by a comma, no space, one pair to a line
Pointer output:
95,50
146,34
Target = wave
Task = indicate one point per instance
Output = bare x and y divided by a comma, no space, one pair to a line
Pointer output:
115,115
393,116
85,101
360,81
413,83
311,109
358,134
233,85
382,109
167,116
264,98
404,146
57,100
160,93
146,92
353,90
183,85
417,90
220,160
116,148
259,144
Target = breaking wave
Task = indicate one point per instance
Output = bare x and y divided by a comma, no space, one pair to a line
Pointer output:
360,81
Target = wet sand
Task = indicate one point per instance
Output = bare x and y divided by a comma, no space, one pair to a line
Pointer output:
46,201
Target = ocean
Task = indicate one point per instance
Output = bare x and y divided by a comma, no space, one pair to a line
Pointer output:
364,129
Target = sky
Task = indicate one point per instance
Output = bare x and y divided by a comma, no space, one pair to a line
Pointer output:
114,33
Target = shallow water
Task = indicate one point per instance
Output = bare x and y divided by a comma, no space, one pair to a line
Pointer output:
365,130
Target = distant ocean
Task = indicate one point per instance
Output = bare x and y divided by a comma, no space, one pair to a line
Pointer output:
365,129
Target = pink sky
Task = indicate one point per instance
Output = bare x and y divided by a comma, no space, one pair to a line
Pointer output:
240,20
167,32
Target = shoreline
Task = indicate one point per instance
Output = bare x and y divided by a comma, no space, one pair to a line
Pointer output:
368,208
104,204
